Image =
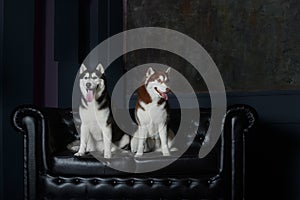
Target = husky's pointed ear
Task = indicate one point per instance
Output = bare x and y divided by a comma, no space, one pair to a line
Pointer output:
100,68
82,68
149,72
168,70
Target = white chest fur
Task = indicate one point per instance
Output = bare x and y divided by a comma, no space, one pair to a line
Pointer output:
95,133
153,116
92,114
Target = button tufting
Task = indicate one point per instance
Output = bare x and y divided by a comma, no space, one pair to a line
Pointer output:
189,182
76,181
114,182
58,181
131,182
150,182
95,182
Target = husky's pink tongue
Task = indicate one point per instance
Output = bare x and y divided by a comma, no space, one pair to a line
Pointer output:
165,96
89,96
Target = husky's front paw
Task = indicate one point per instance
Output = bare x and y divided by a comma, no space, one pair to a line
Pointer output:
138,155
107,155
79,154
166,152
133,150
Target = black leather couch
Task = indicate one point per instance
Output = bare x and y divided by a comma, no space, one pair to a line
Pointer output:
52,172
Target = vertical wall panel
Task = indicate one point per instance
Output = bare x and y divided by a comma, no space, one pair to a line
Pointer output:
66,29
17,87
51,71
83,29
1,99
66,48
39,52
94,21
111,23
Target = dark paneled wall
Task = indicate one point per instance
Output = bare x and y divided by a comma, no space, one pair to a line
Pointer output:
66,48
1,97
17,66
255,43
17,83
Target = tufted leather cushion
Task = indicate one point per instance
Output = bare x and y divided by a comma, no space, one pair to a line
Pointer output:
64,163
59,187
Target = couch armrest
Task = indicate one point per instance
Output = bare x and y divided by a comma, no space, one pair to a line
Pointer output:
24,119
238,122
46,130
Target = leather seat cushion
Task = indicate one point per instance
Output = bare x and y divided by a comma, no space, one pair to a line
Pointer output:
65,163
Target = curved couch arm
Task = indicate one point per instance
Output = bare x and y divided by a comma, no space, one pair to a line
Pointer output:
21,112
46,130
239,120
30,121
249,115
27,119
51,128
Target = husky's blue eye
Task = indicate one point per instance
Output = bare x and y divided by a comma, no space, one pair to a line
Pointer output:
94,78
85,77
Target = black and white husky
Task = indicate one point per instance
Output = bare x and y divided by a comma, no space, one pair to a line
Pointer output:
151,114
94,112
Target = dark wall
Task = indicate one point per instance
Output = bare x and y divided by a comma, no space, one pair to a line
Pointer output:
1,98
17,85
22,27
66,48
255,43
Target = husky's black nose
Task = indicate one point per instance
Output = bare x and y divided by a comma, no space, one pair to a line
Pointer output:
88,85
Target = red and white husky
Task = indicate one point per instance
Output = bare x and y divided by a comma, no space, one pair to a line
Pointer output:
151,115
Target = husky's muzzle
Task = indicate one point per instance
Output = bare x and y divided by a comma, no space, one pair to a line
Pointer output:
163,94
90,92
